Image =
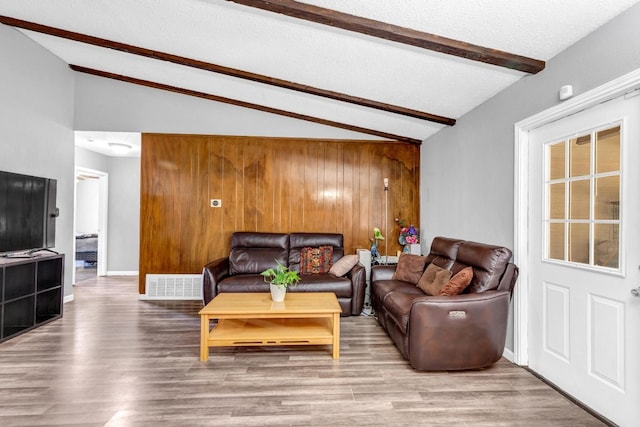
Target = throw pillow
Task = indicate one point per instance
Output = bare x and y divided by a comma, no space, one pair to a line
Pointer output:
344,265
316,260
410,268
458,283
433,279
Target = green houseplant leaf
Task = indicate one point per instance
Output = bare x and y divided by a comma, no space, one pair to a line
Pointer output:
280,275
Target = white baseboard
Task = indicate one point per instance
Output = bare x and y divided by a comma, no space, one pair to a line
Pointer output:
68,298
508,354
122,273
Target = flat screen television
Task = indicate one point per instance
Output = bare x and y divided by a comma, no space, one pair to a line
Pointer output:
27,213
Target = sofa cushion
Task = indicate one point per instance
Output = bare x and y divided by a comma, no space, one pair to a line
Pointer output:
243,283
443,251
344,265
410,268
324,282
381,288
302,240
488,262
458,282
316,260
398,307
433,279
252,253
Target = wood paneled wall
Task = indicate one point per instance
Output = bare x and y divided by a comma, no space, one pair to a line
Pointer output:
268,185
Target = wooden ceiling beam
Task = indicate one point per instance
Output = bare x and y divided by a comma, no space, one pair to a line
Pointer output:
397,34
244,104
207,66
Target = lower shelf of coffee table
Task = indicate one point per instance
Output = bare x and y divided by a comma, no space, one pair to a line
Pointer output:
278,331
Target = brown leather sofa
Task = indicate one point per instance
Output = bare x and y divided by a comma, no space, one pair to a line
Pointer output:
251,253
442,333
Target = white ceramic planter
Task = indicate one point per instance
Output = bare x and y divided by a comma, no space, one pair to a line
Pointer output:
278,292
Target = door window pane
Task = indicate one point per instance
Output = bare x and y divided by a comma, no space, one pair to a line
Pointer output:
607,197
556,161
556,241
579,193
606,245
579,243
579,156
608,150
556,201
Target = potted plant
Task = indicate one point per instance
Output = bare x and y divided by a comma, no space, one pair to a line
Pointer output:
279,278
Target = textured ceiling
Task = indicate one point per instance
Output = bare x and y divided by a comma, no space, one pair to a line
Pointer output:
232,35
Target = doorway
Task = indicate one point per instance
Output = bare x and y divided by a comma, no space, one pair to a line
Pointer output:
90,224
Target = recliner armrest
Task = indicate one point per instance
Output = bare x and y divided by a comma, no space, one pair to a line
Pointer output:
382,272
458,332
358,277
212,274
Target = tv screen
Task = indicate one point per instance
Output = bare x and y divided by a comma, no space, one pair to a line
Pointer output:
27,212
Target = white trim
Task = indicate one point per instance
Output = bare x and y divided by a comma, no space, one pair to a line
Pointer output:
520,253
68,298
581,102
121,273
103,206
508,354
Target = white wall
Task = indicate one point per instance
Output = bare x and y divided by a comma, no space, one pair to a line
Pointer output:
467,182
87,198
36,124
124,214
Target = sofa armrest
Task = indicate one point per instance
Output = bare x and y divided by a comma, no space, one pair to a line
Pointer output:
465,331
212,274
508,279
382,272
358,277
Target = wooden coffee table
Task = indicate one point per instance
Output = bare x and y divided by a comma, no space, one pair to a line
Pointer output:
252,319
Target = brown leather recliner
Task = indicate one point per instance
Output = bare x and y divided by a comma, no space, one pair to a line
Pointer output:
438,333
251,253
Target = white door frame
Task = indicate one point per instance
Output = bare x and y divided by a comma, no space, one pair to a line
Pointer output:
103,205
608,91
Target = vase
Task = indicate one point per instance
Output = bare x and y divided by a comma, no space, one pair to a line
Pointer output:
278,292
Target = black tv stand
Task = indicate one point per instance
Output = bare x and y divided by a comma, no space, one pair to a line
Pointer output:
33,293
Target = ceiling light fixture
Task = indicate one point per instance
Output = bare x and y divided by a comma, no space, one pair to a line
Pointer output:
119,147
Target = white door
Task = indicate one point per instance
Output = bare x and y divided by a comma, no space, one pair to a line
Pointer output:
584,257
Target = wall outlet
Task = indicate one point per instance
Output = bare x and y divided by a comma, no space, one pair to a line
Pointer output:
216,203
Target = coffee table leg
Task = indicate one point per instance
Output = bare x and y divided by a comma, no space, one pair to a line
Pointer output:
204,337
336,336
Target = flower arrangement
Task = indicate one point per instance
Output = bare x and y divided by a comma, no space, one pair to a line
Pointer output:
408,235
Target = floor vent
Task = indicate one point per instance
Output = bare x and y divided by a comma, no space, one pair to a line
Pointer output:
173,287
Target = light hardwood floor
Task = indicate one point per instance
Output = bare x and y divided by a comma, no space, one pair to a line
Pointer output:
116,361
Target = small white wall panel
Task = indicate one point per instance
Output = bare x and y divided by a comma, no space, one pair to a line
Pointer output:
605,347
556,320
